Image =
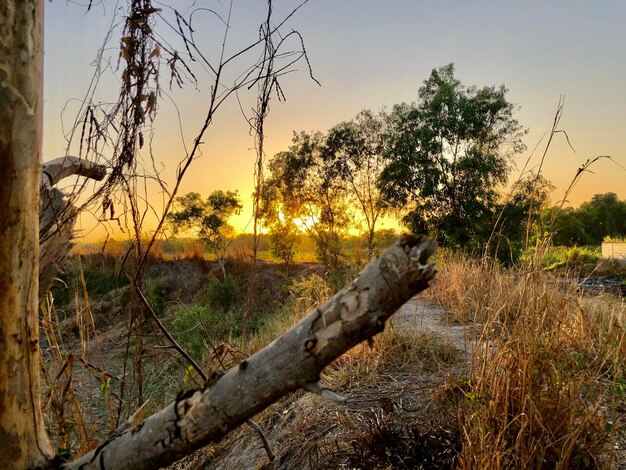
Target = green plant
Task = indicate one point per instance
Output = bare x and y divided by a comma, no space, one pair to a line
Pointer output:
449,152
283,238
208,219
188,328
581,259
155,294
222,294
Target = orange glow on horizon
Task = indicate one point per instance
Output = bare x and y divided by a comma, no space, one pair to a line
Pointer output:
360,70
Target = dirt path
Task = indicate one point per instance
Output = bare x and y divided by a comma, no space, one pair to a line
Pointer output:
421,315
404,396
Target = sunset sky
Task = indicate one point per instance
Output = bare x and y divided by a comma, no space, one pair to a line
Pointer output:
372,54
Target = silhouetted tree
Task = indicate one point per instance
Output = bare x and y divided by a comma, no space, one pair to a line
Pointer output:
449,152
283,231
354,151
567,226
310,192
208,219
604,215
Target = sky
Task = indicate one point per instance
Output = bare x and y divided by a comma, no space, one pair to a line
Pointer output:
368,54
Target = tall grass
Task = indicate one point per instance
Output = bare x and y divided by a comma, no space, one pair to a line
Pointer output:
545,379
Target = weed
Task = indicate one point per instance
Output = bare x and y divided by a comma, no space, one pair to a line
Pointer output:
195,324
544,370
222,294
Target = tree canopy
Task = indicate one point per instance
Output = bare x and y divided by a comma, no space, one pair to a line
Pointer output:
602,216
208,219
307,189
448,153
354,151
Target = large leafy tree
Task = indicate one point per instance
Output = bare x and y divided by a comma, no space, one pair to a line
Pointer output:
208,219
354,153
449,152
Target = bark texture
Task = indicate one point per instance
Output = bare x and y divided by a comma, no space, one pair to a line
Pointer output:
292,361
23,440
57,215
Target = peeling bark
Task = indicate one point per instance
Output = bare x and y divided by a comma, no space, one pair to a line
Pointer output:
23,439
57,216
293,361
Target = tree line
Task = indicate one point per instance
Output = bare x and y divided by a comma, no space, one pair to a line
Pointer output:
604,216
440,165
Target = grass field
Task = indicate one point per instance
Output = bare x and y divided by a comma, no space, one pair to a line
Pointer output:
546,387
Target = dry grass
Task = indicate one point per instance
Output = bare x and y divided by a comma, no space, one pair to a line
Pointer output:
393,351
378,428
78,403
546,390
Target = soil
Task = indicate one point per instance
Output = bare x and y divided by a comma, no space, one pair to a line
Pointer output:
406,414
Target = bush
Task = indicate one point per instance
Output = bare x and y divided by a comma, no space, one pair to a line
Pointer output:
191,326
581,259
222,294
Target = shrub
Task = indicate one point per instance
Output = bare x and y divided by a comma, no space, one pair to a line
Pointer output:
222,294
193,324
580,259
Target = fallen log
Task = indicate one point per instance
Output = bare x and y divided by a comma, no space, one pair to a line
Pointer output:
57,215
294,360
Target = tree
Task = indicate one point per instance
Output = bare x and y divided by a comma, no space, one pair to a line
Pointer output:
517,218
22,432
283,238
448,153
355,153
208,219
58,215
567,226
283,231
310,192
293,361
604,215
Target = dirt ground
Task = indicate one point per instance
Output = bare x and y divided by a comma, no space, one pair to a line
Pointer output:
406,409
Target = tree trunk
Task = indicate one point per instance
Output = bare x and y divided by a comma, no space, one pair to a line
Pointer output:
23,440
295,360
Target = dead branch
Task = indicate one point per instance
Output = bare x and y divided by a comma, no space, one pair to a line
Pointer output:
57,215
297,358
